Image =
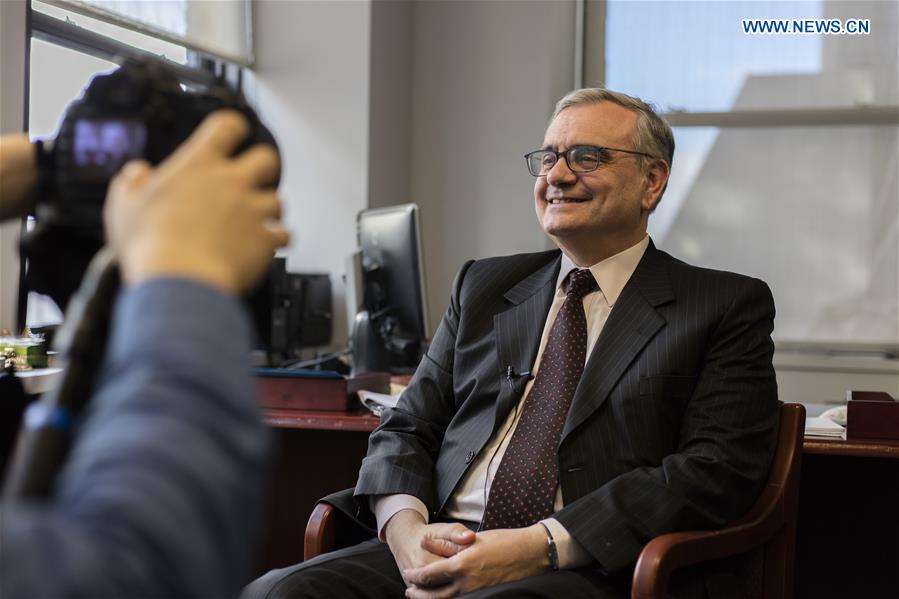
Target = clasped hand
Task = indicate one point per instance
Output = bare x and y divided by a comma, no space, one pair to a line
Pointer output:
446,560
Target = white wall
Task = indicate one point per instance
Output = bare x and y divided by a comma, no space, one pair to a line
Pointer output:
388,102
390,114
12,111
311,87
822,379
486,76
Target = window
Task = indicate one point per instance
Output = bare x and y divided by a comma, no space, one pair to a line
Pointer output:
68,48
695,57
222,28
786,155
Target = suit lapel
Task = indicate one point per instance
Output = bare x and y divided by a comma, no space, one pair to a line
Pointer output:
632,322
518,331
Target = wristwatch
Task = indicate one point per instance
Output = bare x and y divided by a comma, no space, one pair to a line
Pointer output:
551,551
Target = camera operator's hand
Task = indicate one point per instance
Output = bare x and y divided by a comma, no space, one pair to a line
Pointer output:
18,175
200,214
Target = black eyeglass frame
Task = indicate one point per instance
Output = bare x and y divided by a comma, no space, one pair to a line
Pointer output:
564,154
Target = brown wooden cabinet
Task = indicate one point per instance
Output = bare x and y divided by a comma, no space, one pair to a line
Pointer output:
848,530
317,453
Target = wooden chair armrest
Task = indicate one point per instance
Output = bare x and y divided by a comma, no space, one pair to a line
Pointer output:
320,531
667,553
769,523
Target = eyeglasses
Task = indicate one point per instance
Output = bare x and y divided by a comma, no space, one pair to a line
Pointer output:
580,159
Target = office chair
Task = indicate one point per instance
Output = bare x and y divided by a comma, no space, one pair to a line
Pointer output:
769,528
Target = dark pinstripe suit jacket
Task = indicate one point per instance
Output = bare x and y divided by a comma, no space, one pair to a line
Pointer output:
672,426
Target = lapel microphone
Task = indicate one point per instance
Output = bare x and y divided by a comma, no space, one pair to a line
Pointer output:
511,375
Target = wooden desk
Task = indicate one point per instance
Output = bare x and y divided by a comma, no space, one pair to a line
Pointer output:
848,531
841,447
317,453
361,421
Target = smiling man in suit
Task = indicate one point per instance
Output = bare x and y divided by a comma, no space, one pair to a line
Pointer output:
573,404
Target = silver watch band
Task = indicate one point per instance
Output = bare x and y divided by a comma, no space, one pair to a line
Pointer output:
551,549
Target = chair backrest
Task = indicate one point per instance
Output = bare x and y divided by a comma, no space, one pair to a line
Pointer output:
769,525
779,501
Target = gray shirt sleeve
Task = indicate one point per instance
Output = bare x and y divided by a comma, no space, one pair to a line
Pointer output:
162,491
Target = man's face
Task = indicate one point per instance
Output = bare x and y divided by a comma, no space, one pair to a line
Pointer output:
597,214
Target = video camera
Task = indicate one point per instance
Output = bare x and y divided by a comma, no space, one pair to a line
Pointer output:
140,110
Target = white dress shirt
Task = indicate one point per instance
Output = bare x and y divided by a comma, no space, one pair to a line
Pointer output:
468,501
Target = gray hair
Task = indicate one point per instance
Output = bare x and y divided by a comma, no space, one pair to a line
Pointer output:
653,135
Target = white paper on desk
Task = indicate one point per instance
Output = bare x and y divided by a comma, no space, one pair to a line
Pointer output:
823,427
377,402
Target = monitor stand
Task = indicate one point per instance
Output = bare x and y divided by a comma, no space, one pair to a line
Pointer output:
369,352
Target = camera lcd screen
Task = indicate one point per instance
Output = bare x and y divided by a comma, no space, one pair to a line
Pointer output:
101,147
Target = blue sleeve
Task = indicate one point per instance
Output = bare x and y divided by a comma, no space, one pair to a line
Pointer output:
162,493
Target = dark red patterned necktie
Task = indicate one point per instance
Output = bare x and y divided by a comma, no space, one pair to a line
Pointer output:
524,487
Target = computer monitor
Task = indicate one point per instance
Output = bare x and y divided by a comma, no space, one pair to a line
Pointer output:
391,330
291,311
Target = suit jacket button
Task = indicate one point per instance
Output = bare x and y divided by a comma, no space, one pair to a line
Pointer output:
469,457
